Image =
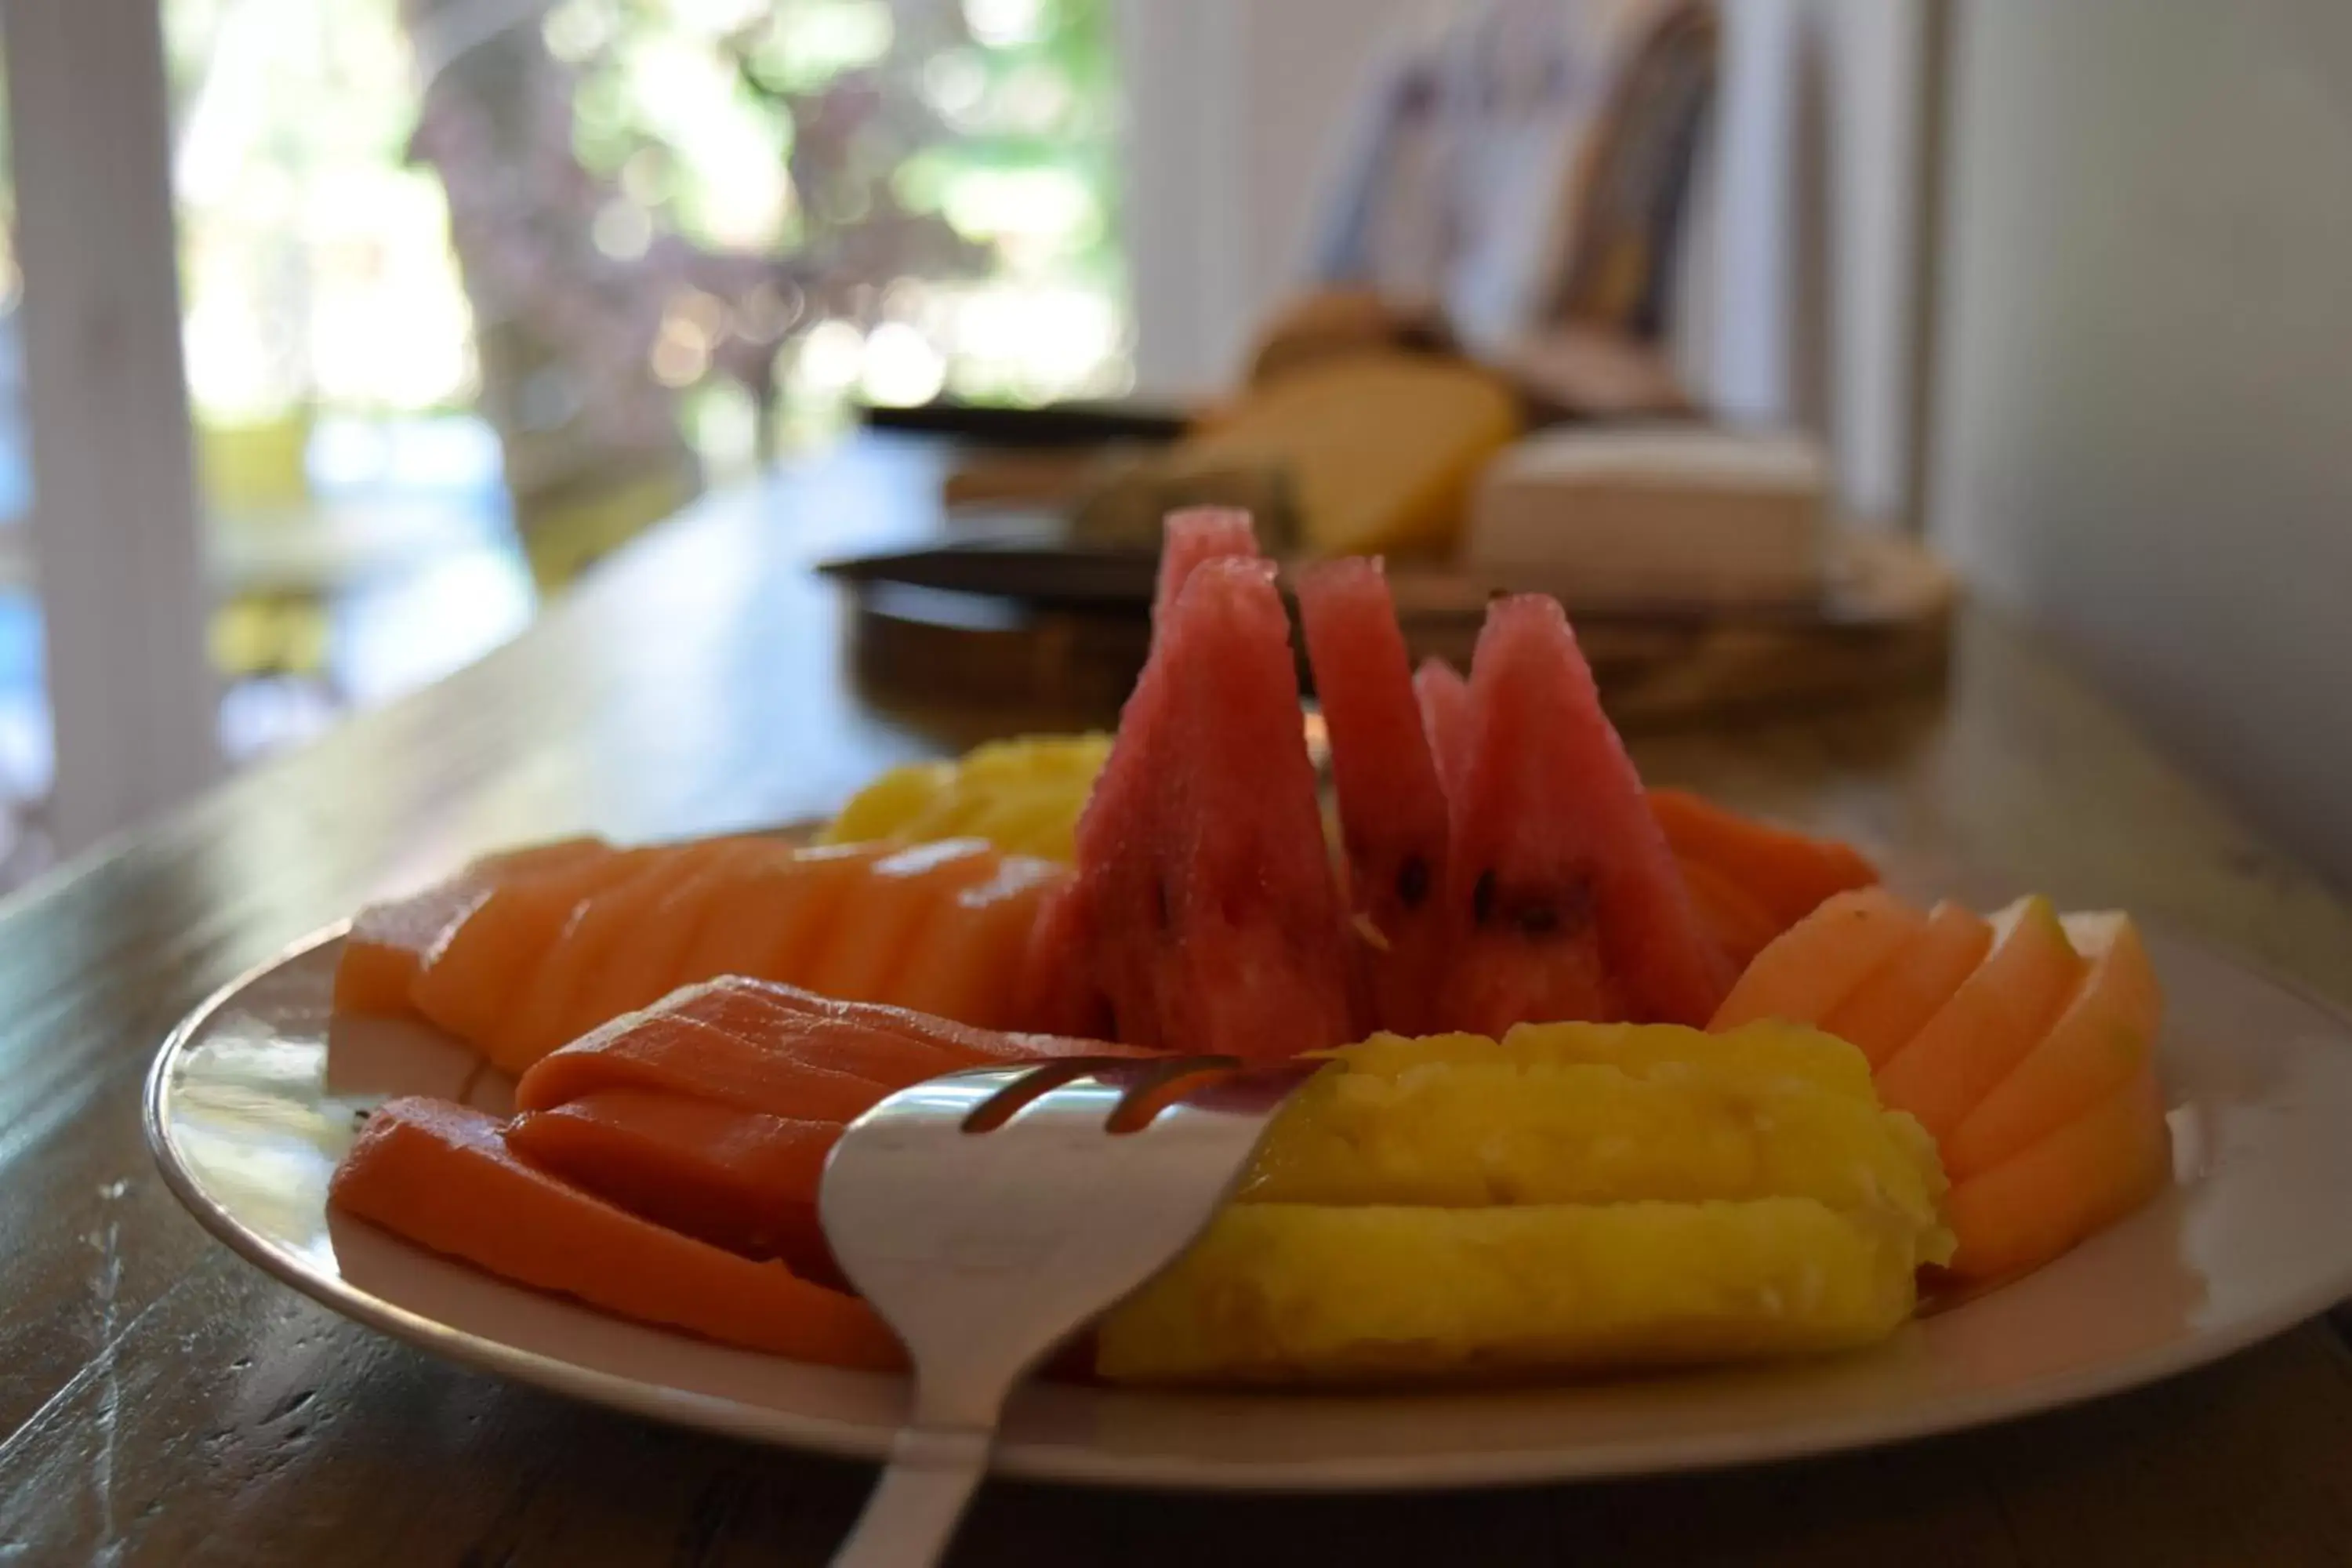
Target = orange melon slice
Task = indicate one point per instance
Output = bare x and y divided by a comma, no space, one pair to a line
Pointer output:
1890,1007
474,975
1816,963
736,1179
768,919
2106,1035
644,969
1789,873
2088,1173
442,1177
963,961
688,1057
1996,1016
873,934
385,948
1740,926
608,919
859,1038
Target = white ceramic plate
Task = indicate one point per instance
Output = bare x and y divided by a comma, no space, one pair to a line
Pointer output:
251,1104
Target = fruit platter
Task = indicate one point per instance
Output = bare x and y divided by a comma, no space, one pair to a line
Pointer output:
1647,1135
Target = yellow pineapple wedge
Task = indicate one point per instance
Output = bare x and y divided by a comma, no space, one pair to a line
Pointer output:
1575,1197
1315,1293
1022,795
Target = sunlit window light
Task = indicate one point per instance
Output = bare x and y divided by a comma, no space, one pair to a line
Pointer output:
955,85
681,354
578,28
809,43
902,367
1003,24
622,230
719,18
832,356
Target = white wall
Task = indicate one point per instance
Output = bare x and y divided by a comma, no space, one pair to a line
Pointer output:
1236,107
2145,436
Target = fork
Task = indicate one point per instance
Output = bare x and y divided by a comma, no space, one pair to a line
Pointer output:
990,1214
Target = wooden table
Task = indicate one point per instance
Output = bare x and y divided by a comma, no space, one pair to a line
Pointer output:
165,1403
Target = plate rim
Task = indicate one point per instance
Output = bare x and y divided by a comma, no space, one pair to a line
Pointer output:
1082,1465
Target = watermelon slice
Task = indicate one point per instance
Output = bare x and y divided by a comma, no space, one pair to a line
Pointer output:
1392,817
1445,715
1568,901
1203,915
1193,536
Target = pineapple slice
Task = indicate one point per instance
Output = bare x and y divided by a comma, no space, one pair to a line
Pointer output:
1572,1198
1645,1049
1023,795
1473,1136
889,803
1312,1293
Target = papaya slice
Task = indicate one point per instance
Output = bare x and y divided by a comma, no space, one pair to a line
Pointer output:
609,920
2105,1035
1741,927
743,1180
686,1056
441,1175
1788,872
474,975
964,960
774,908
1992,1021
1893,1003
873,934
386,946
2039,1201
1819,962
644,968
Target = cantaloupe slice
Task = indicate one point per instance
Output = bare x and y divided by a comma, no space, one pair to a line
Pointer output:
1816,963
644,969
2089,1172
875,1042
1790,873
685,1056
442,1177
1998,1014
1740,926
873,933
386,946
2103,1036
473,977
1893,1004
768,919
607,921
737,1179
963,960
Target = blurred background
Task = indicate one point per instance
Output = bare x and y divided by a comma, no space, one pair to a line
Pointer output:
440,301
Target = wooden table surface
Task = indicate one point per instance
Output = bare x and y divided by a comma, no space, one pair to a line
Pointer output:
164,1402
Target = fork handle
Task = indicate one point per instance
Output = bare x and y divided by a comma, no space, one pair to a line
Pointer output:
913,1513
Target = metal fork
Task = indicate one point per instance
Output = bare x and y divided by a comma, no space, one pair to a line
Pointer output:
990,1214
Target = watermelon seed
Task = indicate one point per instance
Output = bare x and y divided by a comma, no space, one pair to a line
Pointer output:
1533,916
1412,881
1159,902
